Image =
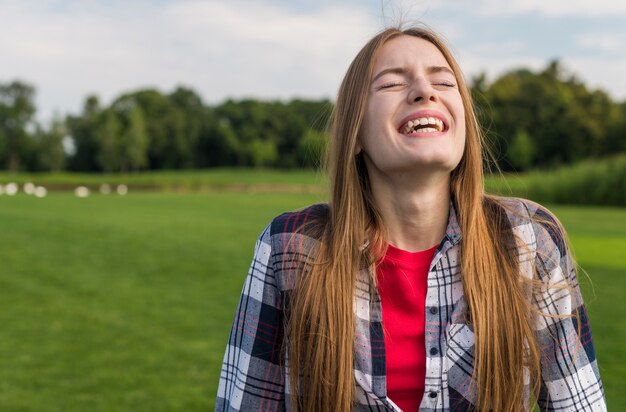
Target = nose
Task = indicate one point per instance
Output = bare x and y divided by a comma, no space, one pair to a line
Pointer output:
421,91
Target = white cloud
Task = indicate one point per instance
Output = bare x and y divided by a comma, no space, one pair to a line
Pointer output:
554,7
605,73
606,42
508,48
494,66
219,48
247,48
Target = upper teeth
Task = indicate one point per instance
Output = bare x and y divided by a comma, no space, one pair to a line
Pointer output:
423,121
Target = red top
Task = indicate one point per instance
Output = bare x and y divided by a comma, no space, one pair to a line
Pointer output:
402,284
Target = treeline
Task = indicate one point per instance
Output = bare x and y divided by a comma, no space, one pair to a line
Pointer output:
532,119
148,130
547,118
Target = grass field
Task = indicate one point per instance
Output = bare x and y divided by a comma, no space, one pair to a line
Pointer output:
182,181
592,182
112,303
219,179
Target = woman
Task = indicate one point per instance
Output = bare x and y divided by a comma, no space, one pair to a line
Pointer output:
412,288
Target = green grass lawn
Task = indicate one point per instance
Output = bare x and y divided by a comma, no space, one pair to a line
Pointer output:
592,182
112,303
217,179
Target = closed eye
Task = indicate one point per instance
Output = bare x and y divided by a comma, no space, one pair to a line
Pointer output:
389,85
445,84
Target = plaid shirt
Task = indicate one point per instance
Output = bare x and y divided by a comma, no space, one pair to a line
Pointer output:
254,376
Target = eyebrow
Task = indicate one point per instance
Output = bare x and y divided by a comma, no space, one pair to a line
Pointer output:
401,70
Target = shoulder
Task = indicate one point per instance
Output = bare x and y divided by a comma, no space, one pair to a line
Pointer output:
523,212
297,231
300,221
284,228
526,215
293,239
539,227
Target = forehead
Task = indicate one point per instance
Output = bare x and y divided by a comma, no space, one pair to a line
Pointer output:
407,51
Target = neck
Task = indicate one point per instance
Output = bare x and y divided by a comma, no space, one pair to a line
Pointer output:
415,211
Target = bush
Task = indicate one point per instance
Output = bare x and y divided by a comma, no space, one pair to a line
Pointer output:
597,182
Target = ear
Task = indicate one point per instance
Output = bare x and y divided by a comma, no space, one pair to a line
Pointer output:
358,149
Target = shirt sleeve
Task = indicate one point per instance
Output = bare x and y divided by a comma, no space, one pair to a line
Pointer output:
570,380
252,376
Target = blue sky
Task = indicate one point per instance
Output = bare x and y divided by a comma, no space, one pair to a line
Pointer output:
284,48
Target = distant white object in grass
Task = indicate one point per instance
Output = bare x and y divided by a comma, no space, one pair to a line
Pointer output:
41,191
122,189
81,191
105,188
1,189
29,188
11,189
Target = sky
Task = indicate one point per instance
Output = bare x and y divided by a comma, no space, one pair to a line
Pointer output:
283,49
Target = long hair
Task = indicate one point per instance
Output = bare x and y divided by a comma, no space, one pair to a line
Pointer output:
321,324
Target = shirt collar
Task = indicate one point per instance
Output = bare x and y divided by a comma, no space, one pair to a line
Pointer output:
453,231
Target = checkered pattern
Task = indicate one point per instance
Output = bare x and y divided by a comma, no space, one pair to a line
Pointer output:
254,374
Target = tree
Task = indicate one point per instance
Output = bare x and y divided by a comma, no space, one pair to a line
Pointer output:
616,130
262,153
564,120
217,144
83,130
108,138
521,151
188,117
156,109
311,149
17,109
275,123
135,142
50,151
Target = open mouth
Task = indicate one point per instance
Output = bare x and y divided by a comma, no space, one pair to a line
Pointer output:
423,125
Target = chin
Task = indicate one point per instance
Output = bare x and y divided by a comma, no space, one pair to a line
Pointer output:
436,161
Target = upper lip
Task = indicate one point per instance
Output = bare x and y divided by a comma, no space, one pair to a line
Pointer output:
424,113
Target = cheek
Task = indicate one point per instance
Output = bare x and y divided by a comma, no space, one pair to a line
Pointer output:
462,135
460,118
363,137
379,110
369,128
462,139
369,121
462,129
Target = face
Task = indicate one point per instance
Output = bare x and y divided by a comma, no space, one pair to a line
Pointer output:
415,120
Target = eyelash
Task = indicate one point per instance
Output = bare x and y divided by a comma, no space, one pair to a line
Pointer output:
389,85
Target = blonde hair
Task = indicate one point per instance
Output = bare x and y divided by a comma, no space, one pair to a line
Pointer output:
321,324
